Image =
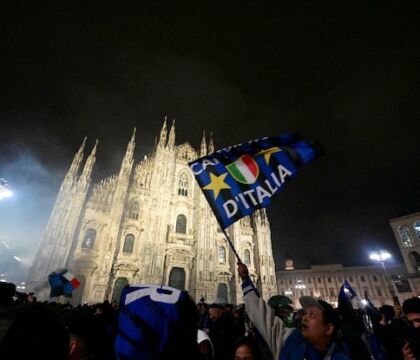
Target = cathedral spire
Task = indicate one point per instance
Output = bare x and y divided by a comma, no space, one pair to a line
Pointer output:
128,158
87,170
211,145
163,134
171,138
203,146
77,160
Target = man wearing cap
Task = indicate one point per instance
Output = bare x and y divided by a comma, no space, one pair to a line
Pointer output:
314,341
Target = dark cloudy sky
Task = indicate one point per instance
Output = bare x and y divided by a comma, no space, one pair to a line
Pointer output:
345,74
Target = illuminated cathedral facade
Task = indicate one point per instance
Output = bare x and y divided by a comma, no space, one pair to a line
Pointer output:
149,223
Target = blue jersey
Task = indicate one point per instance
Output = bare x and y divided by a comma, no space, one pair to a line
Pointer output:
155,321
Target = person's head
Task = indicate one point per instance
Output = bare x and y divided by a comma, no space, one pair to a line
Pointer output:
34,331
246,349
388,312
228,308
216,311
7,290
319,322
202,309
411,308
87,335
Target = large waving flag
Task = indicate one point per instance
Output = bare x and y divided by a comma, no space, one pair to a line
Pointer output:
62,283
242,178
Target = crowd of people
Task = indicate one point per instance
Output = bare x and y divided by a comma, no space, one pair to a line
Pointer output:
253,330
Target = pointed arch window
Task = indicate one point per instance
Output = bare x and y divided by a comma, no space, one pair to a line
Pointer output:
181,224
128,243
416,227
406,239
183,185
222,254
247,257
89,239
133,210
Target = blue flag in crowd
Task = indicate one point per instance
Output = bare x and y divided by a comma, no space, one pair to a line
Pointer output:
155,322
242,178
346,294
62,283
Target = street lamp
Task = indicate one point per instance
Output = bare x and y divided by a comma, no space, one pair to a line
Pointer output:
288,292
300,285
381,256
5,191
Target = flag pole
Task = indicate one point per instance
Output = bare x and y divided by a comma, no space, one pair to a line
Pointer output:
231,246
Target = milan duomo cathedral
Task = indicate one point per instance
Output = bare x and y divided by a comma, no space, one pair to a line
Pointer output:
149,223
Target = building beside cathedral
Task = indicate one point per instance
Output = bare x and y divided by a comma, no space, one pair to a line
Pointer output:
148,223
324,281
407,233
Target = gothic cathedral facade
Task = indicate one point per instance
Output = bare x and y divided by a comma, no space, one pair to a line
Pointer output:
149,223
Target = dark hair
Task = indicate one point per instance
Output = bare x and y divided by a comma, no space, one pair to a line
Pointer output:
251,343
216,306
35,332
387,311
411,305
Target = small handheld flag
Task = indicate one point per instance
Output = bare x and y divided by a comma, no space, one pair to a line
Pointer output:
62,283
240,179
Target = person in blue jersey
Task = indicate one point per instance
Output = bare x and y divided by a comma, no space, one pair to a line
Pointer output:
314,341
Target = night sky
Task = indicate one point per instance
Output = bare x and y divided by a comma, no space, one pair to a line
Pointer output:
346,76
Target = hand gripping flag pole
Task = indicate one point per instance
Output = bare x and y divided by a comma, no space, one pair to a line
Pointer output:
243,178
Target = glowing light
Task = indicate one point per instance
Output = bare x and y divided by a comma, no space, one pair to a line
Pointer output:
381,255
16,258
300,285
364,302
5,191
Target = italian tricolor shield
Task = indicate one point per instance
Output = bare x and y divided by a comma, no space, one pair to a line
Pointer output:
244,170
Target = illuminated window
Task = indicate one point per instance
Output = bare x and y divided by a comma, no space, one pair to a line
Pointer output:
181,224
183,185
406,239
128,243
222,254
133,210
247,257
89,239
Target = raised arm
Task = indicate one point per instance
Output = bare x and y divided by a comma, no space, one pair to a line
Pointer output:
262,315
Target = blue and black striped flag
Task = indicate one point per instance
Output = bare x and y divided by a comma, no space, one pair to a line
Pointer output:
242,178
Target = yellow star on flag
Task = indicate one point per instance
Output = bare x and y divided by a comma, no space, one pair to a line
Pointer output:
216,184
268,152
